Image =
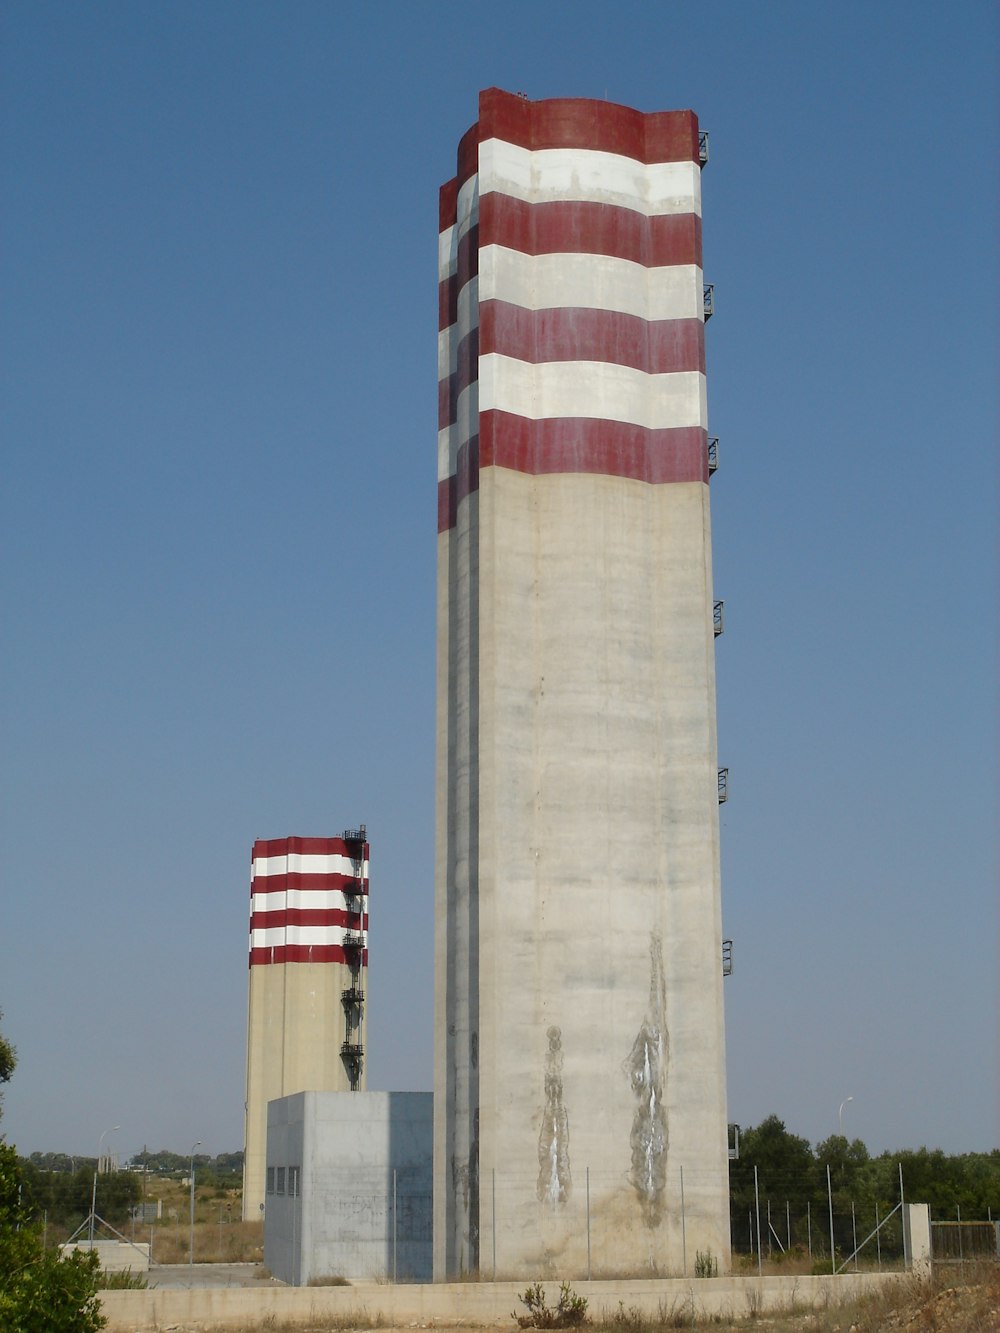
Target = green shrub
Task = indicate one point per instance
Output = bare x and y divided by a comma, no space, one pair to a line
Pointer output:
122,1279
706,1264
570,1312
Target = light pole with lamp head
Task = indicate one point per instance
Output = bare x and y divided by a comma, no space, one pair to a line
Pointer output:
93,1197
191,1250
840,1115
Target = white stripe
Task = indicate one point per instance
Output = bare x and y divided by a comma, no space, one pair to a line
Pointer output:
450,440
592,282
271,937
299,864
598,389
447,252
311,899
584,174
467,205
467,314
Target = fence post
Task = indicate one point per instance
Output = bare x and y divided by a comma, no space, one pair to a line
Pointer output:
854,1233
684,1242
588,1223
904,1220
958,1214
833,1246
788,1225
809,1226
756,1196
394,1225
878,1237
494,1170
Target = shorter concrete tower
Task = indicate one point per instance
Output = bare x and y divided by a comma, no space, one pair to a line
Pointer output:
308,972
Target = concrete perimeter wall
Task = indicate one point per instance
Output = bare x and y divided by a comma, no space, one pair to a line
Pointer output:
467,1302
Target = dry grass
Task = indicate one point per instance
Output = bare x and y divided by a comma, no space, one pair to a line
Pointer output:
967,1302
220,1237
236,1243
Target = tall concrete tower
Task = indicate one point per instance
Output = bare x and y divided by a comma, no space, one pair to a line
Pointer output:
308,973
579,1059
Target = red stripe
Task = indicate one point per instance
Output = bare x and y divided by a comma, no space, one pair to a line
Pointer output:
306,916
577,445
579,227
589,445
657,347
302,953
447,205
301,846
447,401
447,303
447,504
305,883
468,156
570,228
659,136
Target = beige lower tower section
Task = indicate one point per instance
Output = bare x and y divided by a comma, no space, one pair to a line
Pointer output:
580,1110
308,977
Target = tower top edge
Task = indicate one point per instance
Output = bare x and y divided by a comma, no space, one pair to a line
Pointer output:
576,123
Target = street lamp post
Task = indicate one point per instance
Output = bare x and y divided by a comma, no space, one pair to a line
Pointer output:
840,1115
191,1249
93,1196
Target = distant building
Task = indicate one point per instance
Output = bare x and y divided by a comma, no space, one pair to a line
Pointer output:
308,972
579,1058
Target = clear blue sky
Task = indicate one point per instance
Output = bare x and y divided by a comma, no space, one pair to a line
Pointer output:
218,520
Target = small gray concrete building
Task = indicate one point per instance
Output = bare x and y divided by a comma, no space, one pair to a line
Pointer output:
348,1186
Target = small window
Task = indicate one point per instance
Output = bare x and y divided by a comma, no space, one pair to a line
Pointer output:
269,1188
279,1180
293,1181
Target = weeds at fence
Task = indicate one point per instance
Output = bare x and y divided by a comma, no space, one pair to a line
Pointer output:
706,1264
570,1312
122,1280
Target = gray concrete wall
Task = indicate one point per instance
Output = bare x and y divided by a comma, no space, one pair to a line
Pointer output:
468,1303
361,1206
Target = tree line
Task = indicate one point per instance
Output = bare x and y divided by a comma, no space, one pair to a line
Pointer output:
59,1187
224,1170
793,1191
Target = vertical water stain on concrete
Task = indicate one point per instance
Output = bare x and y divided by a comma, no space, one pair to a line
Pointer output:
554,1180
474,1195
647,1071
